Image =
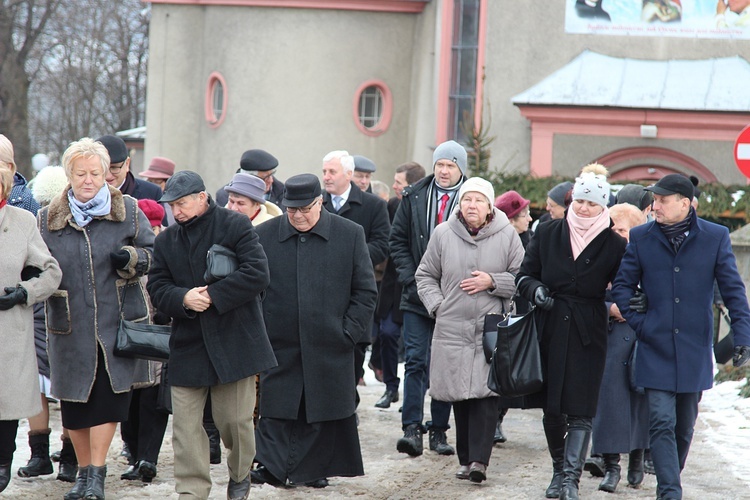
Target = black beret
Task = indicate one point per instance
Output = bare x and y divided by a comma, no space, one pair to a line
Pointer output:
259,160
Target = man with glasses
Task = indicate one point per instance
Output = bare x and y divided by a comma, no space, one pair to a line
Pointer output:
317,308
119,175
263,165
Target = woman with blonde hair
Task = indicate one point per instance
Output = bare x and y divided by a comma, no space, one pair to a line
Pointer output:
103,243
568,264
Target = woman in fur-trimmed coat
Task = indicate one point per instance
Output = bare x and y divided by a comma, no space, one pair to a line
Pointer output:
103,243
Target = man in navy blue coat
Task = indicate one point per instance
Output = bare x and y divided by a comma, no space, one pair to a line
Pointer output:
676,259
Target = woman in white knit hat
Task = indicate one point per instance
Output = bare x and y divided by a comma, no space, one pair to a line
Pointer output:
467,272
569,263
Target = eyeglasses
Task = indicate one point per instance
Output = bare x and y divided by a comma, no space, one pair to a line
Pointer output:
262,175
115,168
304,210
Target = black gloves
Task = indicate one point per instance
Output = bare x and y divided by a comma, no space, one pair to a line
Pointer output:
741,355
639,302
14,295
120,259
542,298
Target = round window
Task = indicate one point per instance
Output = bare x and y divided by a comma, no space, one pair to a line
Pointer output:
372,108
216,100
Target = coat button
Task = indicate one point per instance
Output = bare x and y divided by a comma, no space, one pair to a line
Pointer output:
676,331
676,300
676,269
573,278
566,318
302,239
472,322
588,261
626,338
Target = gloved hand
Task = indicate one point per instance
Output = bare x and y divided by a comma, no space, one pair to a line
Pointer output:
639,302
120,259
14,295
542,298
741,355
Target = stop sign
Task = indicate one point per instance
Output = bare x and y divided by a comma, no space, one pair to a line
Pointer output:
742,151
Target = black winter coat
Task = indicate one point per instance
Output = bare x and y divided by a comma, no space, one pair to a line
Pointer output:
573,335
370,212
228,341
390,289
317,308
408,241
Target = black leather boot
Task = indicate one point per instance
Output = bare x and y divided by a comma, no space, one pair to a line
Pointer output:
611,472
95,485
68,462
555,433
214,442
79,489
411,443
4,476
39,464
635,468
576,446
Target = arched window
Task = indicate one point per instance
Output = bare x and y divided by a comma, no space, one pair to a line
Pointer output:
216,100
373,108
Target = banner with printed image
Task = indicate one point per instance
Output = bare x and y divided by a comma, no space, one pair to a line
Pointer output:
727,19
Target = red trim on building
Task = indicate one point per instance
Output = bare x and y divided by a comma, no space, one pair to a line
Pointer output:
650,170
385,117
397,6
208,106
444,72
547,121
481,43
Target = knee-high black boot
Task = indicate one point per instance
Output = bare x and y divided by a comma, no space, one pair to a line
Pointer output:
635,468
554,430
576,446
611,472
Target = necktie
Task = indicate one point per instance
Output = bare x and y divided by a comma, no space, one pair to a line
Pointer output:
443,203
337,202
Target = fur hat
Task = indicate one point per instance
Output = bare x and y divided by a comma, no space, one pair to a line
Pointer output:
453,151
479,185
48,184
592,187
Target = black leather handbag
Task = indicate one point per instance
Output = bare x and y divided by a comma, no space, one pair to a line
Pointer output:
220,263
516,367
489,337
141,340
724,348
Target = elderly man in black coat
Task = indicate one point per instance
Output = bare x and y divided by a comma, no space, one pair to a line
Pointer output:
318,306
219,339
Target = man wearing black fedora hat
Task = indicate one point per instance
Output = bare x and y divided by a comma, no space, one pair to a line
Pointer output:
664,290
262,165
317,308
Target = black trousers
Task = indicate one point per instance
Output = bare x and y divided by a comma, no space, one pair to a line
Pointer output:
475,429
8,431
144,430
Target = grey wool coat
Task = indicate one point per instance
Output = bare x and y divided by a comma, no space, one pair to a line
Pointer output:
317,308
227,342
22,246
458,369
83,314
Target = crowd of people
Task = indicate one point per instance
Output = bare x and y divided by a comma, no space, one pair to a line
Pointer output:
267,357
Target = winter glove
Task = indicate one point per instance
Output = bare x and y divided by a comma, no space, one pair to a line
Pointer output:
639,302
14,296
542,298
120,259
741,355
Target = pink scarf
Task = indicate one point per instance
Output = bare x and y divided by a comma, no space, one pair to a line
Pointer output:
584,230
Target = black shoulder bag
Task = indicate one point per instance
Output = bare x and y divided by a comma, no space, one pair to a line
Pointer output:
141,340
516,366
220,263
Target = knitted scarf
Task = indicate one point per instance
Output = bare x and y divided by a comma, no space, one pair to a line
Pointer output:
99,205
583,230
677,232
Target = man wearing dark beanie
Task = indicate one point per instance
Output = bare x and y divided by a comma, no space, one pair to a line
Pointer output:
664,290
